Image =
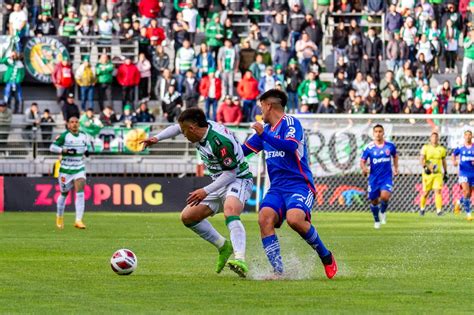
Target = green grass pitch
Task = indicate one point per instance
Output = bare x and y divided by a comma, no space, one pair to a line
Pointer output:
412,265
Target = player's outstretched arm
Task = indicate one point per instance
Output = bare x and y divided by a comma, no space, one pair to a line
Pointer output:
455,160
169,132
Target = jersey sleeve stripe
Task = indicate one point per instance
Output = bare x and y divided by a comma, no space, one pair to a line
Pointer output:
310,185
250,147
293,139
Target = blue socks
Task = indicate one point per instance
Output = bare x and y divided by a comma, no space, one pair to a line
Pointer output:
272,249
312,238
383,206
467,204
375,212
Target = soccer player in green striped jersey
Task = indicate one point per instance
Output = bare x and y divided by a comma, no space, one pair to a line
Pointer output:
231,187
72,145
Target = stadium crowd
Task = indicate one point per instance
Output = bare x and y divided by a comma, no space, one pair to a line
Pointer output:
190,54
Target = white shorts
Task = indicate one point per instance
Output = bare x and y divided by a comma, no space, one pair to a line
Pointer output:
66,181
241,188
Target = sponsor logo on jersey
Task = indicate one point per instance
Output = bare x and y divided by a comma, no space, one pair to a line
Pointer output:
380,160
387,152
274,154
467,158
223,152
217,141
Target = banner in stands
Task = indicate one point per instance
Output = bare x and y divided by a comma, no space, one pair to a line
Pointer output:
41,56
119,140
161,194
337,151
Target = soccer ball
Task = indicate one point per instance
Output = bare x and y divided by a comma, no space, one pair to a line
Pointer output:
123,262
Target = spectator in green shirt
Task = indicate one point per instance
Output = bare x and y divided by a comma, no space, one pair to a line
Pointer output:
105,74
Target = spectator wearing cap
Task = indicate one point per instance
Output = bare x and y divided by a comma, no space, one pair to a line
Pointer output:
105,28
180,31
210,88
70,24
126,29
184,61
340,89
69,108
393,20
17,24
397,52
143,114
107,116
247,89
45,27
105,75
62,78
267,81
89,124
305,49
5,123
144,67
128,78
283,54
190,90
228,65
309,91
247,56
155,33
204,61
190,16
148,9
296,19
128,118
214,34
171,104
86,79
372,50
468,60
294,76
277,32
229,112
13,78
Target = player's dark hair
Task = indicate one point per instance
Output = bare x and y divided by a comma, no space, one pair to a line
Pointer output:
194,115
378,126
274,93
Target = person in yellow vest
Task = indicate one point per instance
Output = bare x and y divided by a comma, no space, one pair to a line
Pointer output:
433,158
86,78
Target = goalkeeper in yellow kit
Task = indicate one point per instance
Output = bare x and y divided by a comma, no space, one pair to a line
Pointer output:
433,157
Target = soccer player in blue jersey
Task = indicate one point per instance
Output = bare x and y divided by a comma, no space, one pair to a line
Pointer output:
380,153
291,192
466,173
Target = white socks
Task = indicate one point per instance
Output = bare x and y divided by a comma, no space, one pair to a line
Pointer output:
79,205
206,231
61,204
237,236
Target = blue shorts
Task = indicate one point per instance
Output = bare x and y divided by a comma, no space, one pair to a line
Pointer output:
466,179
376,186
280,201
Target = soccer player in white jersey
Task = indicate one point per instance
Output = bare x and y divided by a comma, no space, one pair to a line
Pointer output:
231,187
72,145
